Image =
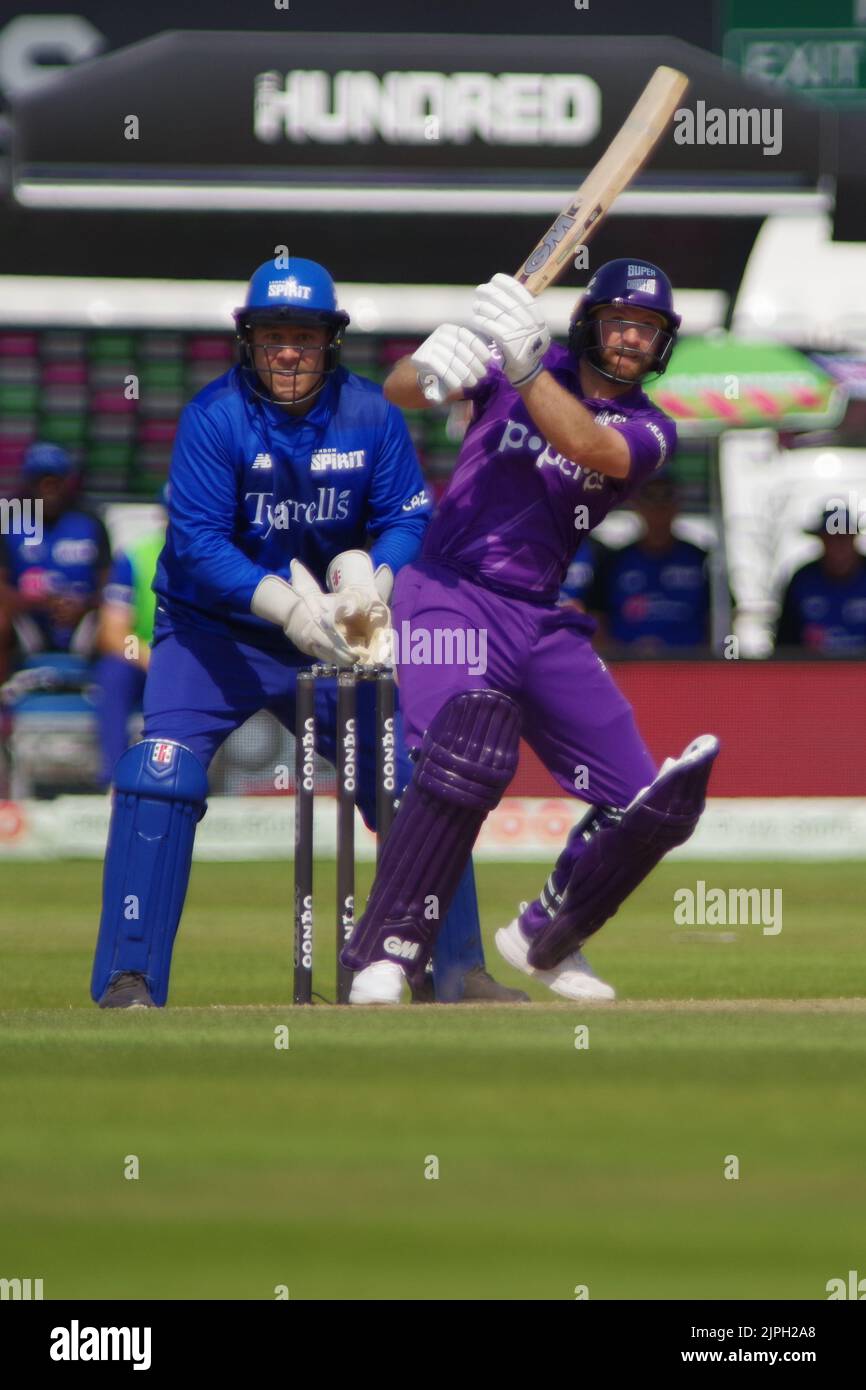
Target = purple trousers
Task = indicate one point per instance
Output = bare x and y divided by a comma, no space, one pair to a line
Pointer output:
453,635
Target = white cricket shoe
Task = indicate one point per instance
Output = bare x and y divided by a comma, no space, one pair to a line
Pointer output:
573,977
379,983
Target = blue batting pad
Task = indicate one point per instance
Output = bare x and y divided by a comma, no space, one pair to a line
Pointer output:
159,798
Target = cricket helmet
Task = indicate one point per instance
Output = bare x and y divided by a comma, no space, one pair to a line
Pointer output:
285,290
625,282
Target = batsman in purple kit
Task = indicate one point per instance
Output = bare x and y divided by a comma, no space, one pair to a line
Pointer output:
296,496
558,436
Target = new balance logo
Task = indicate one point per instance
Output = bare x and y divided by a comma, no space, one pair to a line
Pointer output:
263,461
404,950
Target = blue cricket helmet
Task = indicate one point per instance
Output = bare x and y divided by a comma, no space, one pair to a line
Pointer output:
300,290
627,281
290,289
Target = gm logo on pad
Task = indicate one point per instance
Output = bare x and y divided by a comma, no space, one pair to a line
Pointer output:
404,950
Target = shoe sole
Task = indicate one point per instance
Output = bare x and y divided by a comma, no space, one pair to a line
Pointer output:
386,1003
134,1005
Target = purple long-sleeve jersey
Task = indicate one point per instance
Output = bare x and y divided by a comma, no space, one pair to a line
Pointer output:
516,510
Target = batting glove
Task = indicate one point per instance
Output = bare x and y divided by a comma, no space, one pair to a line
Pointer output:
451,359
306,614
362,615
505,311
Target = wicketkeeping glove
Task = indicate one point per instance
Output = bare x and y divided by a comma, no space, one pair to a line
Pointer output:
361,613
505,311
451,359
306,614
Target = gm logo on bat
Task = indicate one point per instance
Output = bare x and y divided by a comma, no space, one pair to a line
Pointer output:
557,234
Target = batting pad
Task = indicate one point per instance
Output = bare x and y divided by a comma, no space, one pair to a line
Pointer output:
159,798
468,757
619,855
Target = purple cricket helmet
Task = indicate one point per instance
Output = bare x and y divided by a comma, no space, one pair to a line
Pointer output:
625,282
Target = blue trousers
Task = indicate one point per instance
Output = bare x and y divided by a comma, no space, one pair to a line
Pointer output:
202,686
120,684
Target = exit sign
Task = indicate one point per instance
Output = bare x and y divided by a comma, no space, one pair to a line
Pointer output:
818,48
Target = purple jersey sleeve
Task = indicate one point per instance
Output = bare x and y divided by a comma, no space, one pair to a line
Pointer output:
651,440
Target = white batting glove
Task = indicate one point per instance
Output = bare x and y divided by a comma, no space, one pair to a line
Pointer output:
362,615
451,359
505,311
306,614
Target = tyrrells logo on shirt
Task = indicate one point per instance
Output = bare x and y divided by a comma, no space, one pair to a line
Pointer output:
333,461
328,505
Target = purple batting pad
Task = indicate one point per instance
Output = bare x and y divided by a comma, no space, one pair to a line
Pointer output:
610,864
467,758
536,916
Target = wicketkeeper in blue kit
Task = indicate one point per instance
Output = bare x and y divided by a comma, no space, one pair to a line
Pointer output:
284,470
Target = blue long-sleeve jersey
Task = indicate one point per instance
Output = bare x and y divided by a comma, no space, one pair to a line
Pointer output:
253,487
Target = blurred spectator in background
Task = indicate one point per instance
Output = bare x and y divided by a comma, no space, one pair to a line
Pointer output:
652,596
824,605
52,572
579,577
124,636
7,632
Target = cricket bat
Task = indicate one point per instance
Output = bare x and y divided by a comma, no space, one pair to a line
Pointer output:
629,150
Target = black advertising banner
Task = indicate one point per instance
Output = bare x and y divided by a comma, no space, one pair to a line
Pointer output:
434,109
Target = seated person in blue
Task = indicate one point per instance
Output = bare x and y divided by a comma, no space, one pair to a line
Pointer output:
824,605
54,565
653,595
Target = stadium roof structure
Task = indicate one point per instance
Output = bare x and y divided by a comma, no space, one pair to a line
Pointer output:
802,287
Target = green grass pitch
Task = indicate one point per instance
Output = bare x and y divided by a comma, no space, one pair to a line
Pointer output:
263,1168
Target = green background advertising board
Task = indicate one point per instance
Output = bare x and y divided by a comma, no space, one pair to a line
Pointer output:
720,383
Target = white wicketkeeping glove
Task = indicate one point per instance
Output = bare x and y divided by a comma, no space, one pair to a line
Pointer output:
362,615
505,311
451,359
306,614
